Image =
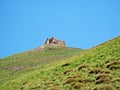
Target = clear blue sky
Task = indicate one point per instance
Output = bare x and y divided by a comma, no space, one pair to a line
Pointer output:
25,24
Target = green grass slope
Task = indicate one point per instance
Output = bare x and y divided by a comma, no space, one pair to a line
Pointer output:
95,69
17,65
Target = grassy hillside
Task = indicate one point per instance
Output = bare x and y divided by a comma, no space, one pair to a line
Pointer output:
17,65
95,69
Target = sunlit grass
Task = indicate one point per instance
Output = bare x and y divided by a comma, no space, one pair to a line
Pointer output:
65,69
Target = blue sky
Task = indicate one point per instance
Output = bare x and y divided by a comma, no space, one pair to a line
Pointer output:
25,24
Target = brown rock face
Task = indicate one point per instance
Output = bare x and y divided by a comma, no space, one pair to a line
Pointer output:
54,42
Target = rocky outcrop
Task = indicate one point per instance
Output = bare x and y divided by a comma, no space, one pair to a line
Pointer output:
51,43
54,42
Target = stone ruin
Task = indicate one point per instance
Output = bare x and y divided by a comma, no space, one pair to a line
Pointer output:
51,43
54,42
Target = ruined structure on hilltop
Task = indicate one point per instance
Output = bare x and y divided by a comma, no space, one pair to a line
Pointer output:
51,43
